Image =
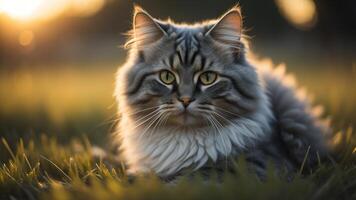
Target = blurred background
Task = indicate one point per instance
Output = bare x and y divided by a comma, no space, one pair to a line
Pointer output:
58,57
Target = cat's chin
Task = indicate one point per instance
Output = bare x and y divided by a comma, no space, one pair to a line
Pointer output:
186,120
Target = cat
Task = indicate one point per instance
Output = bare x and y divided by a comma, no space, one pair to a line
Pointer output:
191,96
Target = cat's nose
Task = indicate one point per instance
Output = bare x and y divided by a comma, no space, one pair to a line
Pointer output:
185,100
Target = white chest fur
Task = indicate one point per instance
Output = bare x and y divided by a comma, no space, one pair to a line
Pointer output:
166,152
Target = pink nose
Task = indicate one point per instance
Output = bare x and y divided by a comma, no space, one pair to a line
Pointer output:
185,101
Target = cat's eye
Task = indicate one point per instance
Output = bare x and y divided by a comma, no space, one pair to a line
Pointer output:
208,78
167,77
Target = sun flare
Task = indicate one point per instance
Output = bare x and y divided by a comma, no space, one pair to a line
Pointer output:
29,10
20,9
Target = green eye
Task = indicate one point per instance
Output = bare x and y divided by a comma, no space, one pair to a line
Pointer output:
167,77
208,78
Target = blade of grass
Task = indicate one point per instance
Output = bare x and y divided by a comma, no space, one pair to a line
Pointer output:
56,166
304,161
8,148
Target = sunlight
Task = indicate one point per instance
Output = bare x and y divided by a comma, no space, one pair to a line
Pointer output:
20,9
30,10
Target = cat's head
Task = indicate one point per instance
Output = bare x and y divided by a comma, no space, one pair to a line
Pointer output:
187,76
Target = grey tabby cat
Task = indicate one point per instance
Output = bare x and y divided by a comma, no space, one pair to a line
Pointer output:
191,96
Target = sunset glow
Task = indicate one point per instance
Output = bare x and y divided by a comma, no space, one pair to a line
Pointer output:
30,10
20,9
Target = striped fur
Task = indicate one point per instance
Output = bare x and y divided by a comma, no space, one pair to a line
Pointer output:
249,109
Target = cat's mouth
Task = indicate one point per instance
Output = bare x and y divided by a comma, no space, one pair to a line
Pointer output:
187,118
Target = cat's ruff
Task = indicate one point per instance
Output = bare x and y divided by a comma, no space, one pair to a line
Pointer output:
166,152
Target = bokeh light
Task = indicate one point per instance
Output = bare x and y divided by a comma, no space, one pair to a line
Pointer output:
300,13
26,38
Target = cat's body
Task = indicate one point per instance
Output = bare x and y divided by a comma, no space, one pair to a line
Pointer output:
189,95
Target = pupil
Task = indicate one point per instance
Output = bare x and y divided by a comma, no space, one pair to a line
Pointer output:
167,75
207,77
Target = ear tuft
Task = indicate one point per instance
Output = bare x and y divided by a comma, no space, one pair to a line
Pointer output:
228,29
146,30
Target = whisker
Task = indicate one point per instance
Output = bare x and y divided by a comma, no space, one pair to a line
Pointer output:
162,117
145,116
142,110
229,121
150,124
232,113
165,107
155,121
217,128
148,116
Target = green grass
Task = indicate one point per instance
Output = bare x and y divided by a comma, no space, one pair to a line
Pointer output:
50,120
49,170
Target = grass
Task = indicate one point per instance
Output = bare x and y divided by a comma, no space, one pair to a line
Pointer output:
49,170
50,121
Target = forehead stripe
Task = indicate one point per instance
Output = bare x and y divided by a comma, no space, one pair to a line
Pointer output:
187,48
176,60
181,51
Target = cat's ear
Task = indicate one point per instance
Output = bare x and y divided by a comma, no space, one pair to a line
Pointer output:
228,28
146,29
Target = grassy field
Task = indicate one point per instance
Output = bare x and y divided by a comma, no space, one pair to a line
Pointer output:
51,121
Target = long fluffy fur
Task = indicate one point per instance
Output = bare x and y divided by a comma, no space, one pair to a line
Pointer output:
166,152
283,128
